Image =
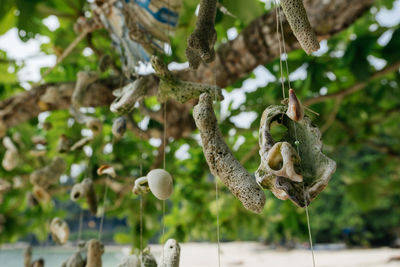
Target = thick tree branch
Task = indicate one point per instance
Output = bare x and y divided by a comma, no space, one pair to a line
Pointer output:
355,88
254,46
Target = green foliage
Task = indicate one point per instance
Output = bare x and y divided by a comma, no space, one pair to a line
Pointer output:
364,140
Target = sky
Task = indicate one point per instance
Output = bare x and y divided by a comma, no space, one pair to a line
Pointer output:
29,52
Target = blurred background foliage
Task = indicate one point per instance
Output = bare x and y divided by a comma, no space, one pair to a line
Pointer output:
360,206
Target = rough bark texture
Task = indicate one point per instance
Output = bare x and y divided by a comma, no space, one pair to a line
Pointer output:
255,45
221,161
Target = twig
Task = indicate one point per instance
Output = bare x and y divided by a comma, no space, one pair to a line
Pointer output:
332,116
355,88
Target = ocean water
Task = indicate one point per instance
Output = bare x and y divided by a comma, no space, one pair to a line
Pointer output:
55,256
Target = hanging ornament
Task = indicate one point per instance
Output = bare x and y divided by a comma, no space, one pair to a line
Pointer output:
158,181
85,189
119,127
172,252
48,175
94,251
221,161
59,231
200,45
11,158
296,15
75,260
282,170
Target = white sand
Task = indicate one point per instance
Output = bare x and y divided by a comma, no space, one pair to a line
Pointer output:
252,254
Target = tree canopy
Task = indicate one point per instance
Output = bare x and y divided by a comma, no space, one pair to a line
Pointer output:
352,82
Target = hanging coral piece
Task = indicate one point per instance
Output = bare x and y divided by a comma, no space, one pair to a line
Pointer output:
85,189
81,143
94,124
182,91
221,161
59,231
296,15
158,181
201,41
11,158
172,252
127,96
94,251
311,164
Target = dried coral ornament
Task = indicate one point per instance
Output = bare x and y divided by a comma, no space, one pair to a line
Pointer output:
296,15
315,168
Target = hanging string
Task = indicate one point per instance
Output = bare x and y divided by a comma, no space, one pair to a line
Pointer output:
280,48
80,226
104,207
279,20
216,181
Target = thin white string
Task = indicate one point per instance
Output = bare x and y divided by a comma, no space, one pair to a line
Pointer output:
104,208
80,225
294,125
216,181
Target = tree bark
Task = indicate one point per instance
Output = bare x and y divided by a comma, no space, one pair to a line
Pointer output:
255,45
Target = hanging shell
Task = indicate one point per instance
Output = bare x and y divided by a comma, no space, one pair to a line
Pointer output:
172,252
11,158
119,127
40,194
94,251
295,108
85,189
141,186
59,231
130,261
75,260
94,124
315,167
147,258
283,160
105,169
160,183
81,143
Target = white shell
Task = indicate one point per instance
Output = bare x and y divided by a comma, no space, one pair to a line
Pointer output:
59,230
160,183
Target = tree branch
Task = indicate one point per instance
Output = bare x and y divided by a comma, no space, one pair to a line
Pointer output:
255,45
355,88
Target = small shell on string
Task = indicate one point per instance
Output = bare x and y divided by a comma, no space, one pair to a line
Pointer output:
119,127
81,143
59,231
130,261
141,186
160,183
40,194
295,108
106,169
94,124
11,158
85,189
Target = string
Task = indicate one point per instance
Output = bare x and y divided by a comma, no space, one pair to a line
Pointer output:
80,226
104,208
294,125
284,48
280,49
